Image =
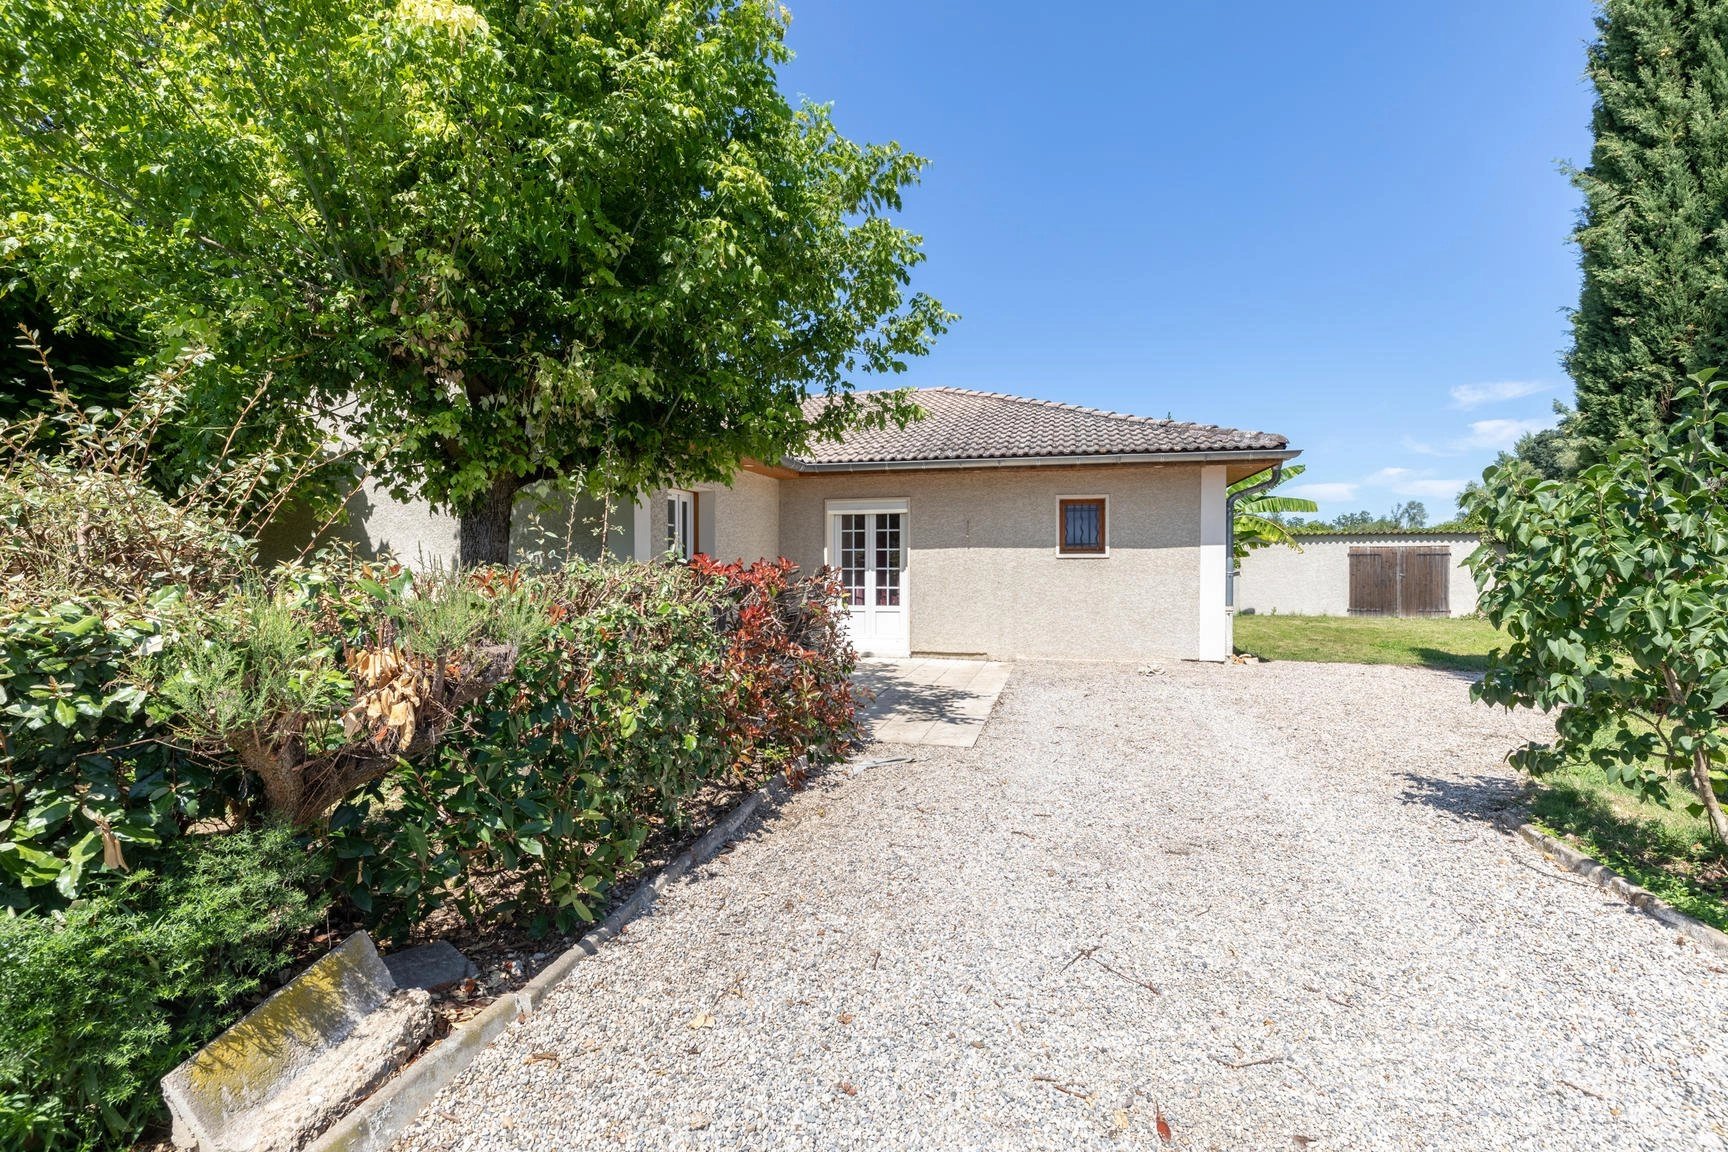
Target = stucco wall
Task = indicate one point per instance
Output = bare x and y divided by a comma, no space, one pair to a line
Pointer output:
741,522
1316,581
545,528
983,575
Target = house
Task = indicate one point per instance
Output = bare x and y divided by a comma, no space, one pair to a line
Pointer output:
997,526
1411,573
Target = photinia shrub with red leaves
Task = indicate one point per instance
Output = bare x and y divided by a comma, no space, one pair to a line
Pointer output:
787,669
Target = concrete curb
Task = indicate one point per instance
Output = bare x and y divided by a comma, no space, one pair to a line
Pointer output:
1615,884
376,1123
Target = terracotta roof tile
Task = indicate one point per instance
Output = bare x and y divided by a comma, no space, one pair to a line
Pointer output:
961,424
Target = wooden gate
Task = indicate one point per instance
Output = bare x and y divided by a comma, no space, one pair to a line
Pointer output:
1401,581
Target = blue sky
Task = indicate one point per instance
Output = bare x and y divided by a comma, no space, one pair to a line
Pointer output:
1344,222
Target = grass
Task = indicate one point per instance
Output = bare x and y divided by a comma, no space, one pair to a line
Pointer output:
1660,846
1458,645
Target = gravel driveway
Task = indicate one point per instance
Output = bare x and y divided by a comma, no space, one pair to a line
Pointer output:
1272,901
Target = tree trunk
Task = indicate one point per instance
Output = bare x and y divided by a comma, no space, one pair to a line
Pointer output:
484,532
1706,790
1701,782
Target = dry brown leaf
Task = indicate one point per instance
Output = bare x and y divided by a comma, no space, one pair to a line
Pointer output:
1164,1133
844,1017
702,1020
112,857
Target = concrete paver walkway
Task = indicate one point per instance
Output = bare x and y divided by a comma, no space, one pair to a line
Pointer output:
942,703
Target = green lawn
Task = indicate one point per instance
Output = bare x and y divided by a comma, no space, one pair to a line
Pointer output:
1431,642
1660,846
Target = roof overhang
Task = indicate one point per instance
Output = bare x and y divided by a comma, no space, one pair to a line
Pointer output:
777,471
1241,463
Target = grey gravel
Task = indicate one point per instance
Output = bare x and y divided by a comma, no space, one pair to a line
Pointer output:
1277,902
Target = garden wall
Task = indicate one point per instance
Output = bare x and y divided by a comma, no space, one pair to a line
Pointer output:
1316,580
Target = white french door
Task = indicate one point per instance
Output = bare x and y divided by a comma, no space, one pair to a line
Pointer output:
867,546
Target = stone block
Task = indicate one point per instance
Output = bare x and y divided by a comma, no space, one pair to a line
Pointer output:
301,1059
434,967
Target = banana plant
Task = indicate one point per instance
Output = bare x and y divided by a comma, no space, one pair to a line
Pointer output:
1257,525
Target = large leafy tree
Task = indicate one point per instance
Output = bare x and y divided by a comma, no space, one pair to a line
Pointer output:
90,365
508,241
1655,300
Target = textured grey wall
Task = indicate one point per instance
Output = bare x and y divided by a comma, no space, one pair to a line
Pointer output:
983,575
745,521
740,521
546,528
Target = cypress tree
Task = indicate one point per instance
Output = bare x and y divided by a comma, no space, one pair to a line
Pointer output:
1654,230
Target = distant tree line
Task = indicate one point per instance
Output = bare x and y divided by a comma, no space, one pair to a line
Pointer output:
1409,516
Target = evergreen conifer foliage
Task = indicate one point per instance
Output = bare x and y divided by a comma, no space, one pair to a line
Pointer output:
1653,235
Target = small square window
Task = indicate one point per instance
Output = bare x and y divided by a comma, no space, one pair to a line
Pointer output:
1082,527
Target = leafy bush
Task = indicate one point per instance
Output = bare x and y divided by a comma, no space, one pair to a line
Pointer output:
82,516
1613,589
787,672
98,568
81,778
645,683
99,1001
543,795
320,683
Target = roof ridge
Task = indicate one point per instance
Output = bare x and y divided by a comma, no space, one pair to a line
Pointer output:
1161,421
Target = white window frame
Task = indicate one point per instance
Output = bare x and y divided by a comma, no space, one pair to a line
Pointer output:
678,499
1060,527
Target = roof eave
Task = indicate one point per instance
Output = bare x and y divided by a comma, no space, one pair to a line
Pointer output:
1267,456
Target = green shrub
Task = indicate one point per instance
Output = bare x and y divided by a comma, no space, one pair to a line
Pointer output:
99,567
99,1001
82,779
611,716
1612,589
318,681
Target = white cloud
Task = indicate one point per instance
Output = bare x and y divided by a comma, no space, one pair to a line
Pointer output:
1476,395
1408,482
1321,493
1496,435
1499,435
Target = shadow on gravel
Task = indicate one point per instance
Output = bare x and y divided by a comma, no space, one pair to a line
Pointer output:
1493,799
1459,666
